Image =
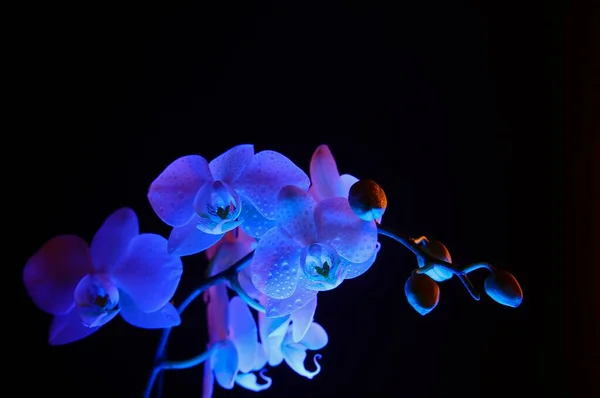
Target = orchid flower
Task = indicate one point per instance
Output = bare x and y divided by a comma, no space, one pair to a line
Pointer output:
203,200
326,181
231,327
281,343
314,247
122,271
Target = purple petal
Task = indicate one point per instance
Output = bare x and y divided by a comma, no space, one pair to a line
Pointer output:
353,238
96,299
172,193
344,184
254,224
52,273
301,297
217,309
230,252
228,166
165,317
324,174
261,181
276,264
113,238
295,214
68,328
245,279
357,269
149,274
302,319
188,239
243,333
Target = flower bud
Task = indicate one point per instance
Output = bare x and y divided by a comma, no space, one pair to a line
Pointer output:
422,293
504,288
438,251
367,200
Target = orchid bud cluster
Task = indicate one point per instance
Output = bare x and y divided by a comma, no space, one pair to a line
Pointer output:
274,239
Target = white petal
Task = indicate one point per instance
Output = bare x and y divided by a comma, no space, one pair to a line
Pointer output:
243,333
224,362
302,319
294,355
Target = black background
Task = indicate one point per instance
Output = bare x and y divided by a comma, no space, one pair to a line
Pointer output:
454,109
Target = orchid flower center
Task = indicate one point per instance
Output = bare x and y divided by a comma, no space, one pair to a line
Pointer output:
97,300
218,209
322,266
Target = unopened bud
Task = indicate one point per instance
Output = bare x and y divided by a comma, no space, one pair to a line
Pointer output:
367,200
438,251
504,288
422,293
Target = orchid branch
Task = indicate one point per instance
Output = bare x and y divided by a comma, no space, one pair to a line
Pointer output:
414,246
230,274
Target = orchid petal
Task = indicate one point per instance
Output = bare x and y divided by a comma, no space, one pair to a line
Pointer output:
272,332
301,297
68,328
112,240
323,173
224,362
245,280
262,179
172,193
243,333
165,317
316,337
294,355
353,238
217,312
96,298
187,240
228,166
52,273
302,320
90,317
249,381
357,269
295,214
254,224
148,273
344,184
275,264
228,254
208,380
260,360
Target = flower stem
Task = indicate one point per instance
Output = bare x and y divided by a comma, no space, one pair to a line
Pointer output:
185,364
413,246
228,274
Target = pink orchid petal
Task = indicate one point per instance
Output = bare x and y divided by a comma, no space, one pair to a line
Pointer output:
68,329
295,214
262,179
324,173
338,226
302,296
172,193
230,252
228,166
149,274
188,239
357,269
111,241
53,272
217,312
276,264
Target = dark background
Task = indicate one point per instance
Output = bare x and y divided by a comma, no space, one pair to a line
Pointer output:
454,109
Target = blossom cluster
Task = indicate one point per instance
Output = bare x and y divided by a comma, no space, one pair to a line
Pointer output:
299,235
